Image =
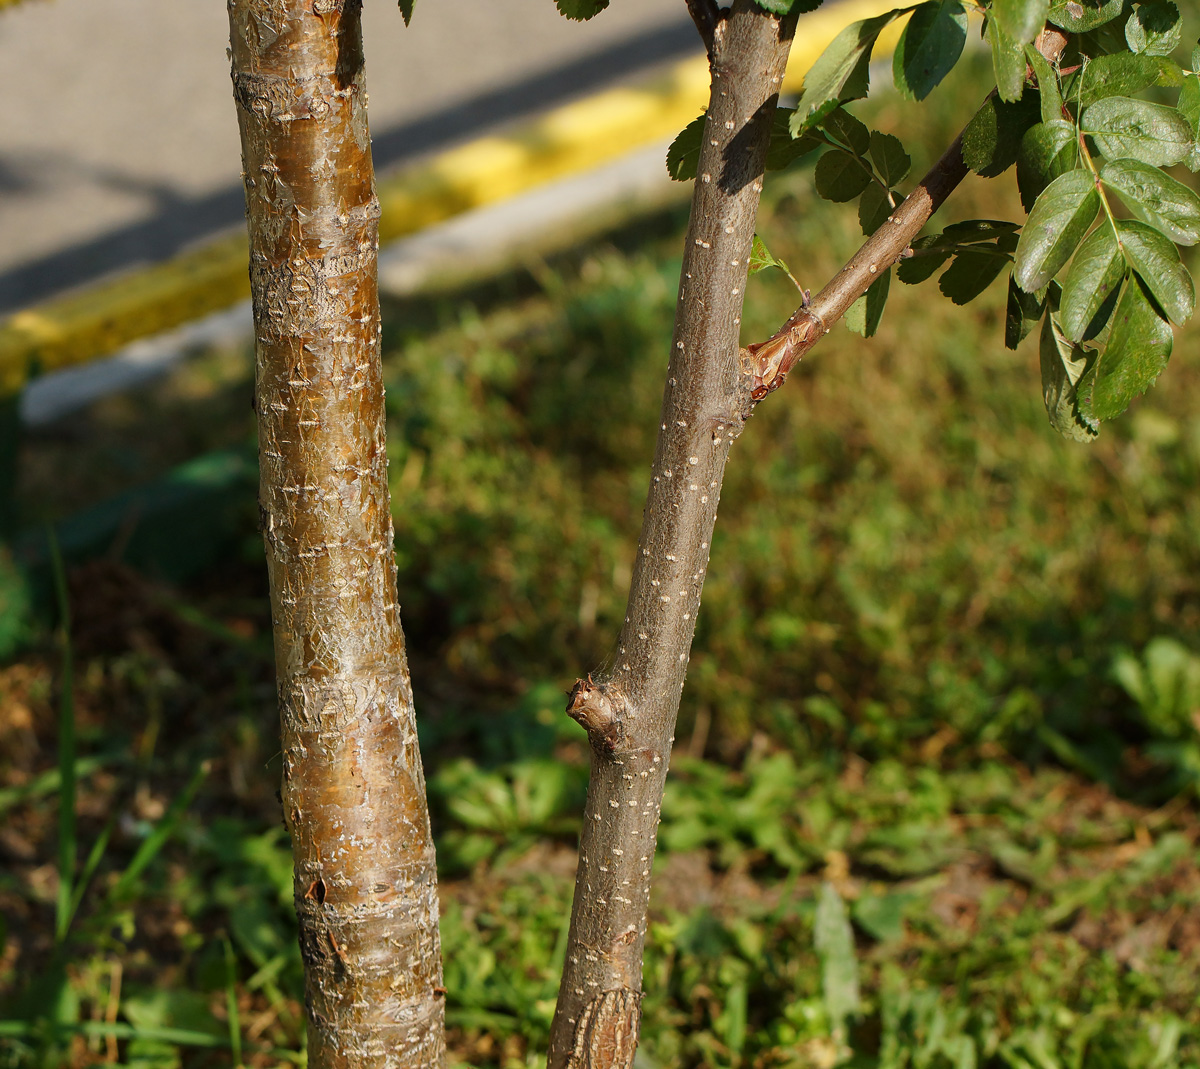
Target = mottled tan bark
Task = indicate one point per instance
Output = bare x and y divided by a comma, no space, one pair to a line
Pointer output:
630,714
353,789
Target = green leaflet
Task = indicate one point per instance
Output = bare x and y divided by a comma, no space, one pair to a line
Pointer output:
1008,62
1154,29
973,270
1021,19
833,940
579,10
851,132
1188,106
783,150
863,315
890,159
1139,345
840,176
1156,198
1080,16
1065,368
929,47
1156,259
970,274
839,72
1092,282
784,7
761,258
1021,313
992,139
683,157
406,10
1060,218
1124,74
1048,150
1049,93
1123,127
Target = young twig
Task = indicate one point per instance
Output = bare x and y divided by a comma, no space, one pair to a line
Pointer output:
705,14
768,362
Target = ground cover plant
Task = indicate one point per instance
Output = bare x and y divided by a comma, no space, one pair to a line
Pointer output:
936,803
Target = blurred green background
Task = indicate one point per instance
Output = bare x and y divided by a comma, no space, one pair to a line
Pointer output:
933,800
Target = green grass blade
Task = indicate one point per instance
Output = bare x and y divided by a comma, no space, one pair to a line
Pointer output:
95,855
157,839
67,846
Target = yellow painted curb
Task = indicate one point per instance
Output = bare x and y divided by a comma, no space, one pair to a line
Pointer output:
571,139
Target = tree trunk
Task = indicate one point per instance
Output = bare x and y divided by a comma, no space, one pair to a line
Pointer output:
630,715
353,788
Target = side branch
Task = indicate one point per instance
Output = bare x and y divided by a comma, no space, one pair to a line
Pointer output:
705,14
768,362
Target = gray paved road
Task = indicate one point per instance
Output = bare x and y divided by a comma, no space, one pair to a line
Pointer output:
118,143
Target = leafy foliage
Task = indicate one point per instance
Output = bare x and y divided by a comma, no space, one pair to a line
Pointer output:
580,10
1083,141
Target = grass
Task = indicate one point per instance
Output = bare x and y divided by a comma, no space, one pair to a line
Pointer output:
933,803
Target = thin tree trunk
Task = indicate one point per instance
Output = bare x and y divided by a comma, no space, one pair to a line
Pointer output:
353,788
630,715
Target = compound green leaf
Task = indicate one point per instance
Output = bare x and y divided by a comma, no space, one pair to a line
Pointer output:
929,47
1154,29
1092,282
761,258
1124,74
1060,218
839,72
863,315
1065,369
840,176
890,159
874,207
406,10
1139,345
1021,314
1080,16
1048,150
1008,62
1156,259
973,270
683,157
1136,129
1021,19
579,10
1156,198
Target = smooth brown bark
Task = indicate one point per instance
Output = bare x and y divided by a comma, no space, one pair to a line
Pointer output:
771,360
353,788
630,714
